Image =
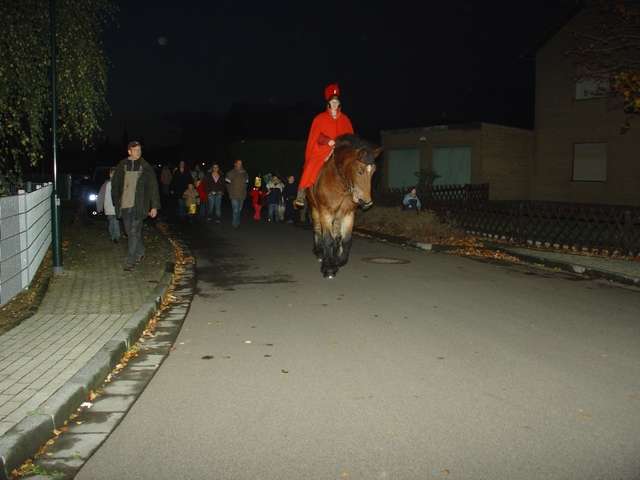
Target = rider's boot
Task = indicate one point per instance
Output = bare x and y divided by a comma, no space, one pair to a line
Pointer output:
300,198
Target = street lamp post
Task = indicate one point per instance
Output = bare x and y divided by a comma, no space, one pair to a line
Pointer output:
55,200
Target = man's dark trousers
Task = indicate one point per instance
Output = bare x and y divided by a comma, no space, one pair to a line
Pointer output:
133,227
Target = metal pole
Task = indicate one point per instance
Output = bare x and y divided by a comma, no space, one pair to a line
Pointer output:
55,200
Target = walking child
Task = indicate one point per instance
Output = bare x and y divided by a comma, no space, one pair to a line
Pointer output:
257,198
105,204
191,199
201,187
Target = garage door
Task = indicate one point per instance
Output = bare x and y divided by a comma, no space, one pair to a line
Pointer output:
403,165
453,164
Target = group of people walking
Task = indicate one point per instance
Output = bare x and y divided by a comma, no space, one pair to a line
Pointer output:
277,197
132,191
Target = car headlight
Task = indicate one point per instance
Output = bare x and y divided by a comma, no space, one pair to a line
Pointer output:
93,197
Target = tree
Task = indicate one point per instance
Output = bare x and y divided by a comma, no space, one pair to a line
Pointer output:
608,51
25,99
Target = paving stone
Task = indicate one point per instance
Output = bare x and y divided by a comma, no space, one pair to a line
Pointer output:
76,446
25,395
96,422
5,427
149,360
82,310
15,389
125,387
64,468
8,408
113,403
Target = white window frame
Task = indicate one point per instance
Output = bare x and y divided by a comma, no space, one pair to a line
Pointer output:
589,162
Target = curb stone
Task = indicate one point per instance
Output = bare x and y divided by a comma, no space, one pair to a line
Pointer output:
529,259
31,433
573,268
114,402
402,241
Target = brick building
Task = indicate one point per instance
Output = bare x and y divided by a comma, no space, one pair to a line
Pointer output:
580,153
576,152
461,154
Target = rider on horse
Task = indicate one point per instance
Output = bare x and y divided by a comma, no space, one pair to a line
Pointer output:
326,127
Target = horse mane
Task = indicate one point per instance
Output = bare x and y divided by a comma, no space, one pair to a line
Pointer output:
356,143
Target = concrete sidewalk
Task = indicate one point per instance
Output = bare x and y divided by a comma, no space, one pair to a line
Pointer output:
89,317
624,271
613,269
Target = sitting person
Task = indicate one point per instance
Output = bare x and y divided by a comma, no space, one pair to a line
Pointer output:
411,201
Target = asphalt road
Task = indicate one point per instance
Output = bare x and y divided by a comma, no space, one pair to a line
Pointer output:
442,367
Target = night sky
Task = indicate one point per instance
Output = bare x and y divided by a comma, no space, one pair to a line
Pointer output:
399,64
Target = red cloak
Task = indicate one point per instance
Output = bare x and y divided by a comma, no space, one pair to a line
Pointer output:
323,129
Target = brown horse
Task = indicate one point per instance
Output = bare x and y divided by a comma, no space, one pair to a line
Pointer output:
344,184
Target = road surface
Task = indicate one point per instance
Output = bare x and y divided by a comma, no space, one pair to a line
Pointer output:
441,367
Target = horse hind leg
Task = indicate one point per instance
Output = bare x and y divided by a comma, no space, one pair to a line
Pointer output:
317,234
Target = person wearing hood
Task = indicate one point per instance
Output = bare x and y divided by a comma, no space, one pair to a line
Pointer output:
325,128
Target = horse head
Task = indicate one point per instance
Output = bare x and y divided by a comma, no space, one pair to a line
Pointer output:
355,159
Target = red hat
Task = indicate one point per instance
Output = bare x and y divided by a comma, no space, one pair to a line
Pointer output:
331,91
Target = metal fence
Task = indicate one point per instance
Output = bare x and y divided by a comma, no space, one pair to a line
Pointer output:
25,236
607,228
437,196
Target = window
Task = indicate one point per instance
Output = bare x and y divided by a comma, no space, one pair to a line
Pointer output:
590,88
403,166
452,165
590,162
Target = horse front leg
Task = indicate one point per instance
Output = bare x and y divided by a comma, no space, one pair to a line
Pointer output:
328,242
345,236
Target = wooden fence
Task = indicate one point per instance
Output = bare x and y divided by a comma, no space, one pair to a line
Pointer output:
606,228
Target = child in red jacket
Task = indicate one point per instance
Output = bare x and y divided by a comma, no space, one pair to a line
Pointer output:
257,199
202,194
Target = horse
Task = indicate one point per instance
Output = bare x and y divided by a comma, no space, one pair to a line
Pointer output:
343,184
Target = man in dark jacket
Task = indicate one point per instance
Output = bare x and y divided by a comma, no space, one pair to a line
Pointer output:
237,180
289,194
135,194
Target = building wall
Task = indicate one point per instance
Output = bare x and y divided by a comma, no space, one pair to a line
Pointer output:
501,156
507,159
425,139
562,121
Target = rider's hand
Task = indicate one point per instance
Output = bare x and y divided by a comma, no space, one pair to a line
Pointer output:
331,143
